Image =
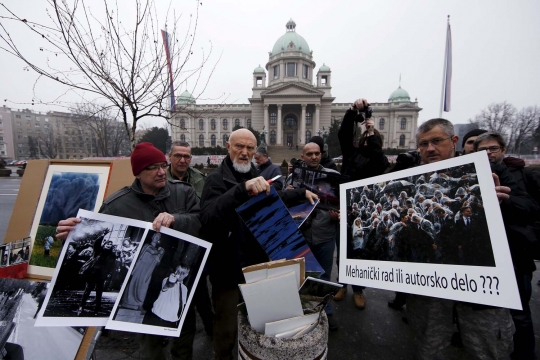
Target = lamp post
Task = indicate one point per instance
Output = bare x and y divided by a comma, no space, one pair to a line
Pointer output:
263,138
325,135
319,132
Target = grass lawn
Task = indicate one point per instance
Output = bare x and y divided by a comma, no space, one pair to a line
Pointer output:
37,257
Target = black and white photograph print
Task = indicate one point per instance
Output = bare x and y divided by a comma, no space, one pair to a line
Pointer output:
20,301
434,230
435,217
161,284
93,265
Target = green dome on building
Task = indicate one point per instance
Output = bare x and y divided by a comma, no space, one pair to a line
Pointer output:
324,68
282,44
259,69
185,98
400,95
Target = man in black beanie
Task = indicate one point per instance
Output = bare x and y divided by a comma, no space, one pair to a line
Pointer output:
468,140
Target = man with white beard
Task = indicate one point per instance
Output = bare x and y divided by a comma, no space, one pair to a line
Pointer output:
234,247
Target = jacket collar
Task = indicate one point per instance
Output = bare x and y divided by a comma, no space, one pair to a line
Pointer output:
162,193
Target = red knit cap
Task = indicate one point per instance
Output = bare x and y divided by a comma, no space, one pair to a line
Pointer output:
143,155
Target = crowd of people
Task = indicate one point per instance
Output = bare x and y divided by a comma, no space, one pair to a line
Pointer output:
435,218
429,206
15,256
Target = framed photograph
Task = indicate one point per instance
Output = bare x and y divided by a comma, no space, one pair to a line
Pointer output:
21,301
93,265
67,188
161,284
14,259
432,230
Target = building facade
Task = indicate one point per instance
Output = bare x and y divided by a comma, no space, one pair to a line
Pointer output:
26,134
291,101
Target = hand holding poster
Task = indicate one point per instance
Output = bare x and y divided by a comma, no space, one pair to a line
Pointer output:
432,230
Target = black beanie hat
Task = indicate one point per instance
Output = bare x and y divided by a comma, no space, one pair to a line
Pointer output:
474,132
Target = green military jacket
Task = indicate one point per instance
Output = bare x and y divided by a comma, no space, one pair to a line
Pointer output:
193,177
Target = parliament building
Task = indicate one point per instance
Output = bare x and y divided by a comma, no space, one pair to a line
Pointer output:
292,101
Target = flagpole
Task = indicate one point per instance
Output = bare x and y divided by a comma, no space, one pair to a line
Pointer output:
444,68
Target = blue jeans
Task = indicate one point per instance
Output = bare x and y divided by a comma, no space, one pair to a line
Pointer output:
324,253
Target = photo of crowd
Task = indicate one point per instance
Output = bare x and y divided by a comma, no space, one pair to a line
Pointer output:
93,269
436,217
161,281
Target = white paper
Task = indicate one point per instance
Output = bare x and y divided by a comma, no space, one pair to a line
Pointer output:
286,325
271,300
490,285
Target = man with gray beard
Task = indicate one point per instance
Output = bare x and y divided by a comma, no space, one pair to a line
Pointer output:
234,247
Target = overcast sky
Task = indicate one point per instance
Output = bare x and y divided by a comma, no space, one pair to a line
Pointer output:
367,44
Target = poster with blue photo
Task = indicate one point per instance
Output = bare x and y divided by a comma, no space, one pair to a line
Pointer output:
67,188
272,225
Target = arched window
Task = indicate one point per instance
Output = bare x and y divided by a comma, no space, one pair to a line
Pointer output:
273,118
308,136
381,124
225,124
225,138
403,124
183,124
237,122
308,118
213,140
213,124
201,140
249,123
402,140
183,137
290,121
273,137
201,124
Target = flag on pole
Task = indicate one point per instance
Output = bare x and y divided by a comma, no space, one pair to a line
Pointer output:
448,69
166,36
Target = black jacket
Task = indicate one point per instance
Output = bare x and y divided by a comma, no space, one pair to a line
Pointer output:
362,161
234,247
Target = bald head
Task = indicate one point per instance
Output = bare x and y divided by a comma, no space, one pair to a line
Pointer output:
312,155
241,146
243,134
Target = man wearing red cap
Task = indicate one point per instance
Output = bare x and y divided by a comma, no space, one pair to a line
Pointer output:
169,203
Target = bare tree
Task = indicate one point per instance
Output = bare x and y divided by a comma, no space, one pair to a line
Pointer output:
48,143
526,122
125,67
497,117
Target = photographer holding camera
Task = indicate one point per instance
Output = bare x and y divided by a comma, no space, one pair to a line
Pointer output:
361,159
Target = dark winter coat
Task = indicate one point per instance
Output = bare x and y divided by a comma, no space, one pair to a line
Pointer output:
176,198
234,247
362,161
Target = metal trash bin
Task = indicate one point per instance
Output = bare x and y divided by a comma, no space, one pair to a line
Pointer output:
255,345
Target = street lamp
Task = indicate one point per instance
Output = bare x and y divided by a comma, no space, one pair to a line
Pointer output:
325,135
319,132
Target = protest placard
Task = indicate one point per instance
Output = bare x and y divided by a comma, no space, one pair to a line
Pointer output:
434,230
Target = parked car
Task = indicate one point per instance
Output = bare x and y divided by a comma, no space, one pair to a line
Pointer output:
338,159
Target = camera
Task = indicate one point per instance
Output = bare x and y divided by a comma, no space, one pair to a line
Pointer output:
297,162
362,116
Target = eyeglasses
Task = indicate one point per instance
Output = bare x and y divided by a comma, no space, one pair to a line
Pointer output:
180,156
157,167
491,149
434,142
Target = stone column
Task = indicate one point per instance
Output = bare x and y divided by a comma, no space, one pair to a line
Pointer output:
317,119
302,137
279,140
266,124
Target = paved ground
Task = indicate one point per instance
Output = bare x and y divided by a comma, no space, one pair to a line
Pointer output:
374,333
